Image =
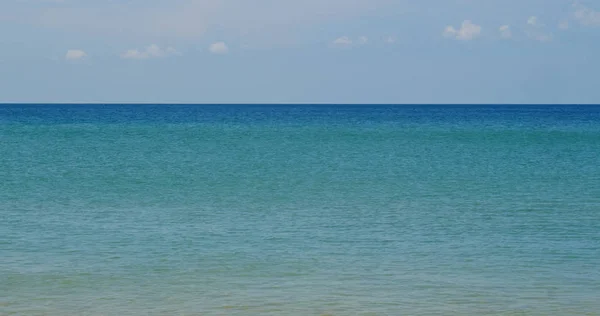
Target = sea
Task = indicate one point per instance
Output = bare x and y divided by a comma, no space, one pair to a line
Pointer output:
158,209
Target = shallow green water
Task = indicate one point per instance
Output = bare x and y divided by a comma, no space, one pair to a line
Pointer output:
299,210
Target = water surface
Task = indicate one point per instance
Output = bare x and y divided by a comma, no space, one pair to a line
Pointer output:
299,210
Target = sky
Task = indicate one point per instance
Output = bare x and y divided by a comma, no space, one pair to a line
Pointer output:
300,51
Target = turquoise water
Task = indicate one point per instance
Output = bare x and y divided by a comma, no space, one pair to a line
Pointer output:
299,210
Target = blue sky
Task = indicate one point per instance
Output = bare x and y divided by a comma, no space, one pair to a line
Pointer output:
290,51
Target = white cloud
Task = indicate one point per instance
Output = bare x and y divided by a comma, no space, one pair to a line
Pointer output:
505,31
219,48
586,16
563,25
343,41
536,30
533,21
468,31
152,51
133,54
390,40
450,31
75,54
346,41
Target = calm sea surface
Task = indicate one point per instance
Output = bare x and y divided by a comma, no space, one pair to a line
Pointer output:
299,210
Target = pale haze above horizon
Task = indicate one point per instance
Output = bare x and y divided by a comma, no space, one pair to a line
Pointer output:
291,51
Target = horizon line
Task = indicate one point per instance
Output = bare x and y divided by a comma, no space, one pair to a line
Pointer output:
283,103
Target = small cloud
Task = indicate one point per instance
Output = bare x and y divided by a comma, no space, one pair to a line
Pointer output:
343,41
75,54
450,31
536,30
468,31
586,16
133,54
390,40
152,51
505,32
173,51
219,48
533,21
346,41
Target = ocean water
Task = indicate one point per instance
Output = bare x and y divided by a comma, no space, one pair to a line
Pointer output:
299,210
